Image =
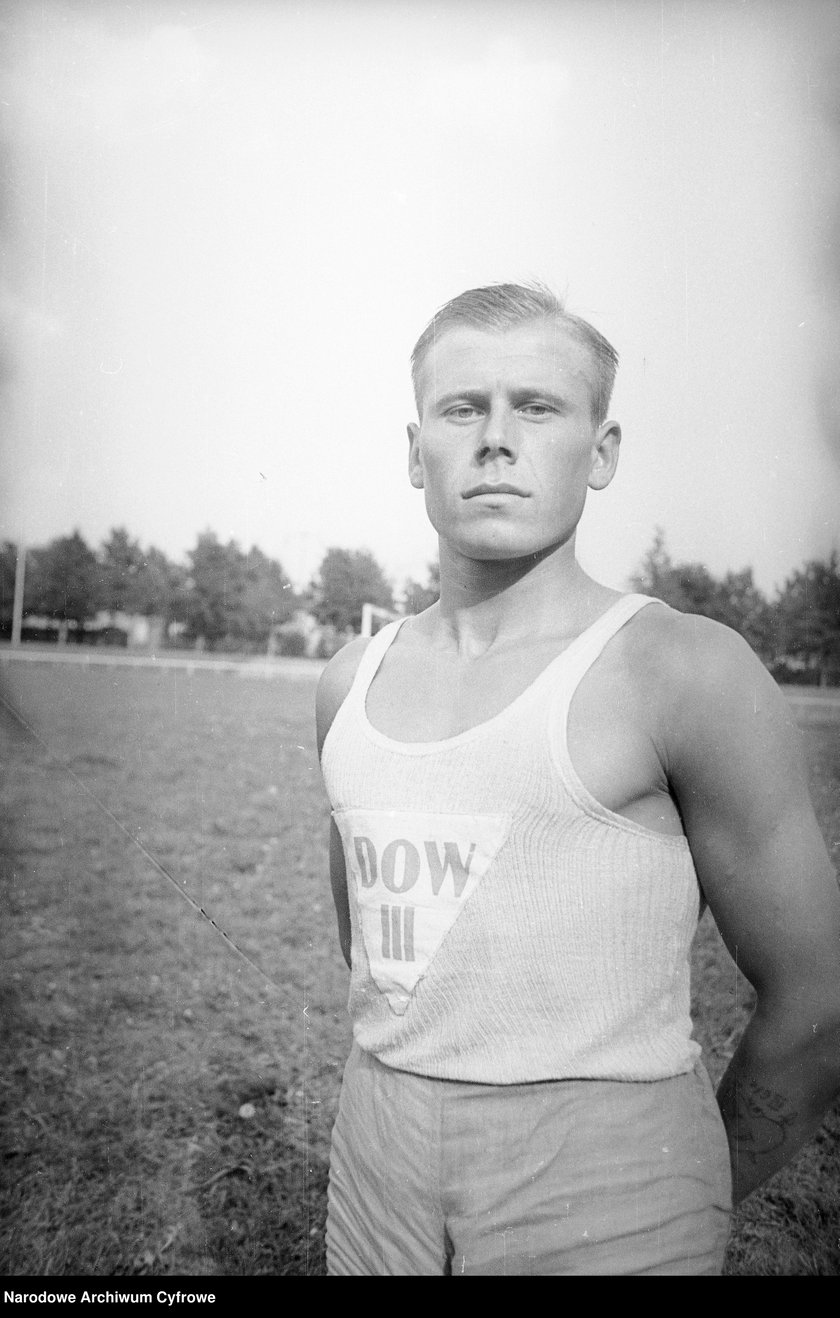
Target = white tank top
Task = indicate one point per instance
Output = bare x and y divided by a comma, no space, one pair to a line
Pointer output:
506,926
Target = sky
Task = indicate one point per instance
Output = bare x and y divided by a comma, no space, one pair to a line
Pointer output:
224,226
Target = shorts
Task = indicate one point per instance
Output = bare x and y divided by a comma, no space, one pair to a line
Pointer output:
558,1178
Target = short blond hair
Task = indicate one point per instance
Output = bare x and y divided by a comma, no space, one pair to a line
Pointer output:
504,306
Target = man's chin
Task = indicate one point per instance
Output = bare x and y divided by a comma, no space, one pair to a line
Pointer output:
500,550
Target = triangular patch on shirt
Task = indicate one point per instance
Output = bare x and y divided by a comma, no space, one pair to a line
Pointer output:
412,874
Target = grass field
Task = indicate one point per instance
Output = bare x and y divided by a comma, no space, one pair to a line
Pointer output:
167,1108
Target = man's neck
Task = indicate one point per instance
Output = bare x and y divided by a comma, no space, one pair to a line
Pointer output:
486,603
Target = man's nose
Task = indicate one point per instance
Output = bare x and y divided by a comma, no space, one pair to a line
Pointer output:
498,436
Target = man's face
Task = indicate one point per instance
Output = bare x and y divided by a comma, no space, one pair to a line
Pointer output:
508,444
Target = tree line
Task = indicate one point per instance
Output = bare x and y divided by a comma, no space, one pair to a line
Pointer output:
796,633
220,598
223,597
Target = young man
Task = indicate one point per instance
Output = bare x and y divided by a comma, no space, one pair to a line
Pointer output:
536,784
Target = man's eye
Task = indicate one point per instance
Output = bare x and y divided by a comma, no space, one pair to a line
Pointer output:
466,412
537,409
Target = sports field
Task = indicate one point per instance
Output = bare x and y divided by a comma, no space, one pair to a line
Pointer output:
167,1105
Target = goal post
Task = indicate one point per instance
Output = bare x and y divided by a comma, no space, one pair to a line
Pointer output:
373,611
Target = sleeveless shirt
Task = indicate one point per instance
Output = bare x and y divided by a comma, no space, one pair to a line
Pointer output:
506,926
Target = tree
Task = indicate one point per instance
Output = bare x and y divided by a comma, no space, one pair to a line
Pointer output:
347,579
215,589
809,616
139,581
416,598
742,606
8,569
161,586
121,564
62,581
688,587
735,600
268,599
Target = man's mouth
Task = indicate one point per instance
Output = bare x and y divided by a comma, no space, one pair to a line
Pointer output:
489,488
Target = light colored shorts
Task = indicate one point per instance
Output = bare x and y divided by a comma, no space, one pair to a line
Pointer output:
561,1178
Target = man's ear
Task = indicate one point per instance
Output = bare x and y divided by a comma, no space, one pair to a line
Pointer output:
415,467
604,455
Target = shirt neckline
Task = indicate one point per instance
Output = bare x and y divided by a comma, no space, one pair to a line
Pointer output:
526,695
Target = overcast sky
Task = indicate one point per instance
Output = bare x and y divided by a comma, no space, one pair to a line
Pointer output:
225,225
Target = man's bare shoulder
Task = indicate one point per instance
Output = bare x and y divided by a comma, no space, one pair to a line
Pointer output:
335,682
688,647
702,677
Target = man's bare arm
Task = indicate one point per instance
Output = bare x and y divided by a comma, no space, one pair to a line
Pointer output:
333,686
733,759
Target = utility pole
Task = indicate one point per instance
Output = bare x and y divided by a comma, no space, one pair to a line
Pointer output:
17,607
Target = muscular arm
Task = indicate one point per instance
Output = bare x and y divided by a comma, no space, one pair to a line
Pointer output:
335,682
733,760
